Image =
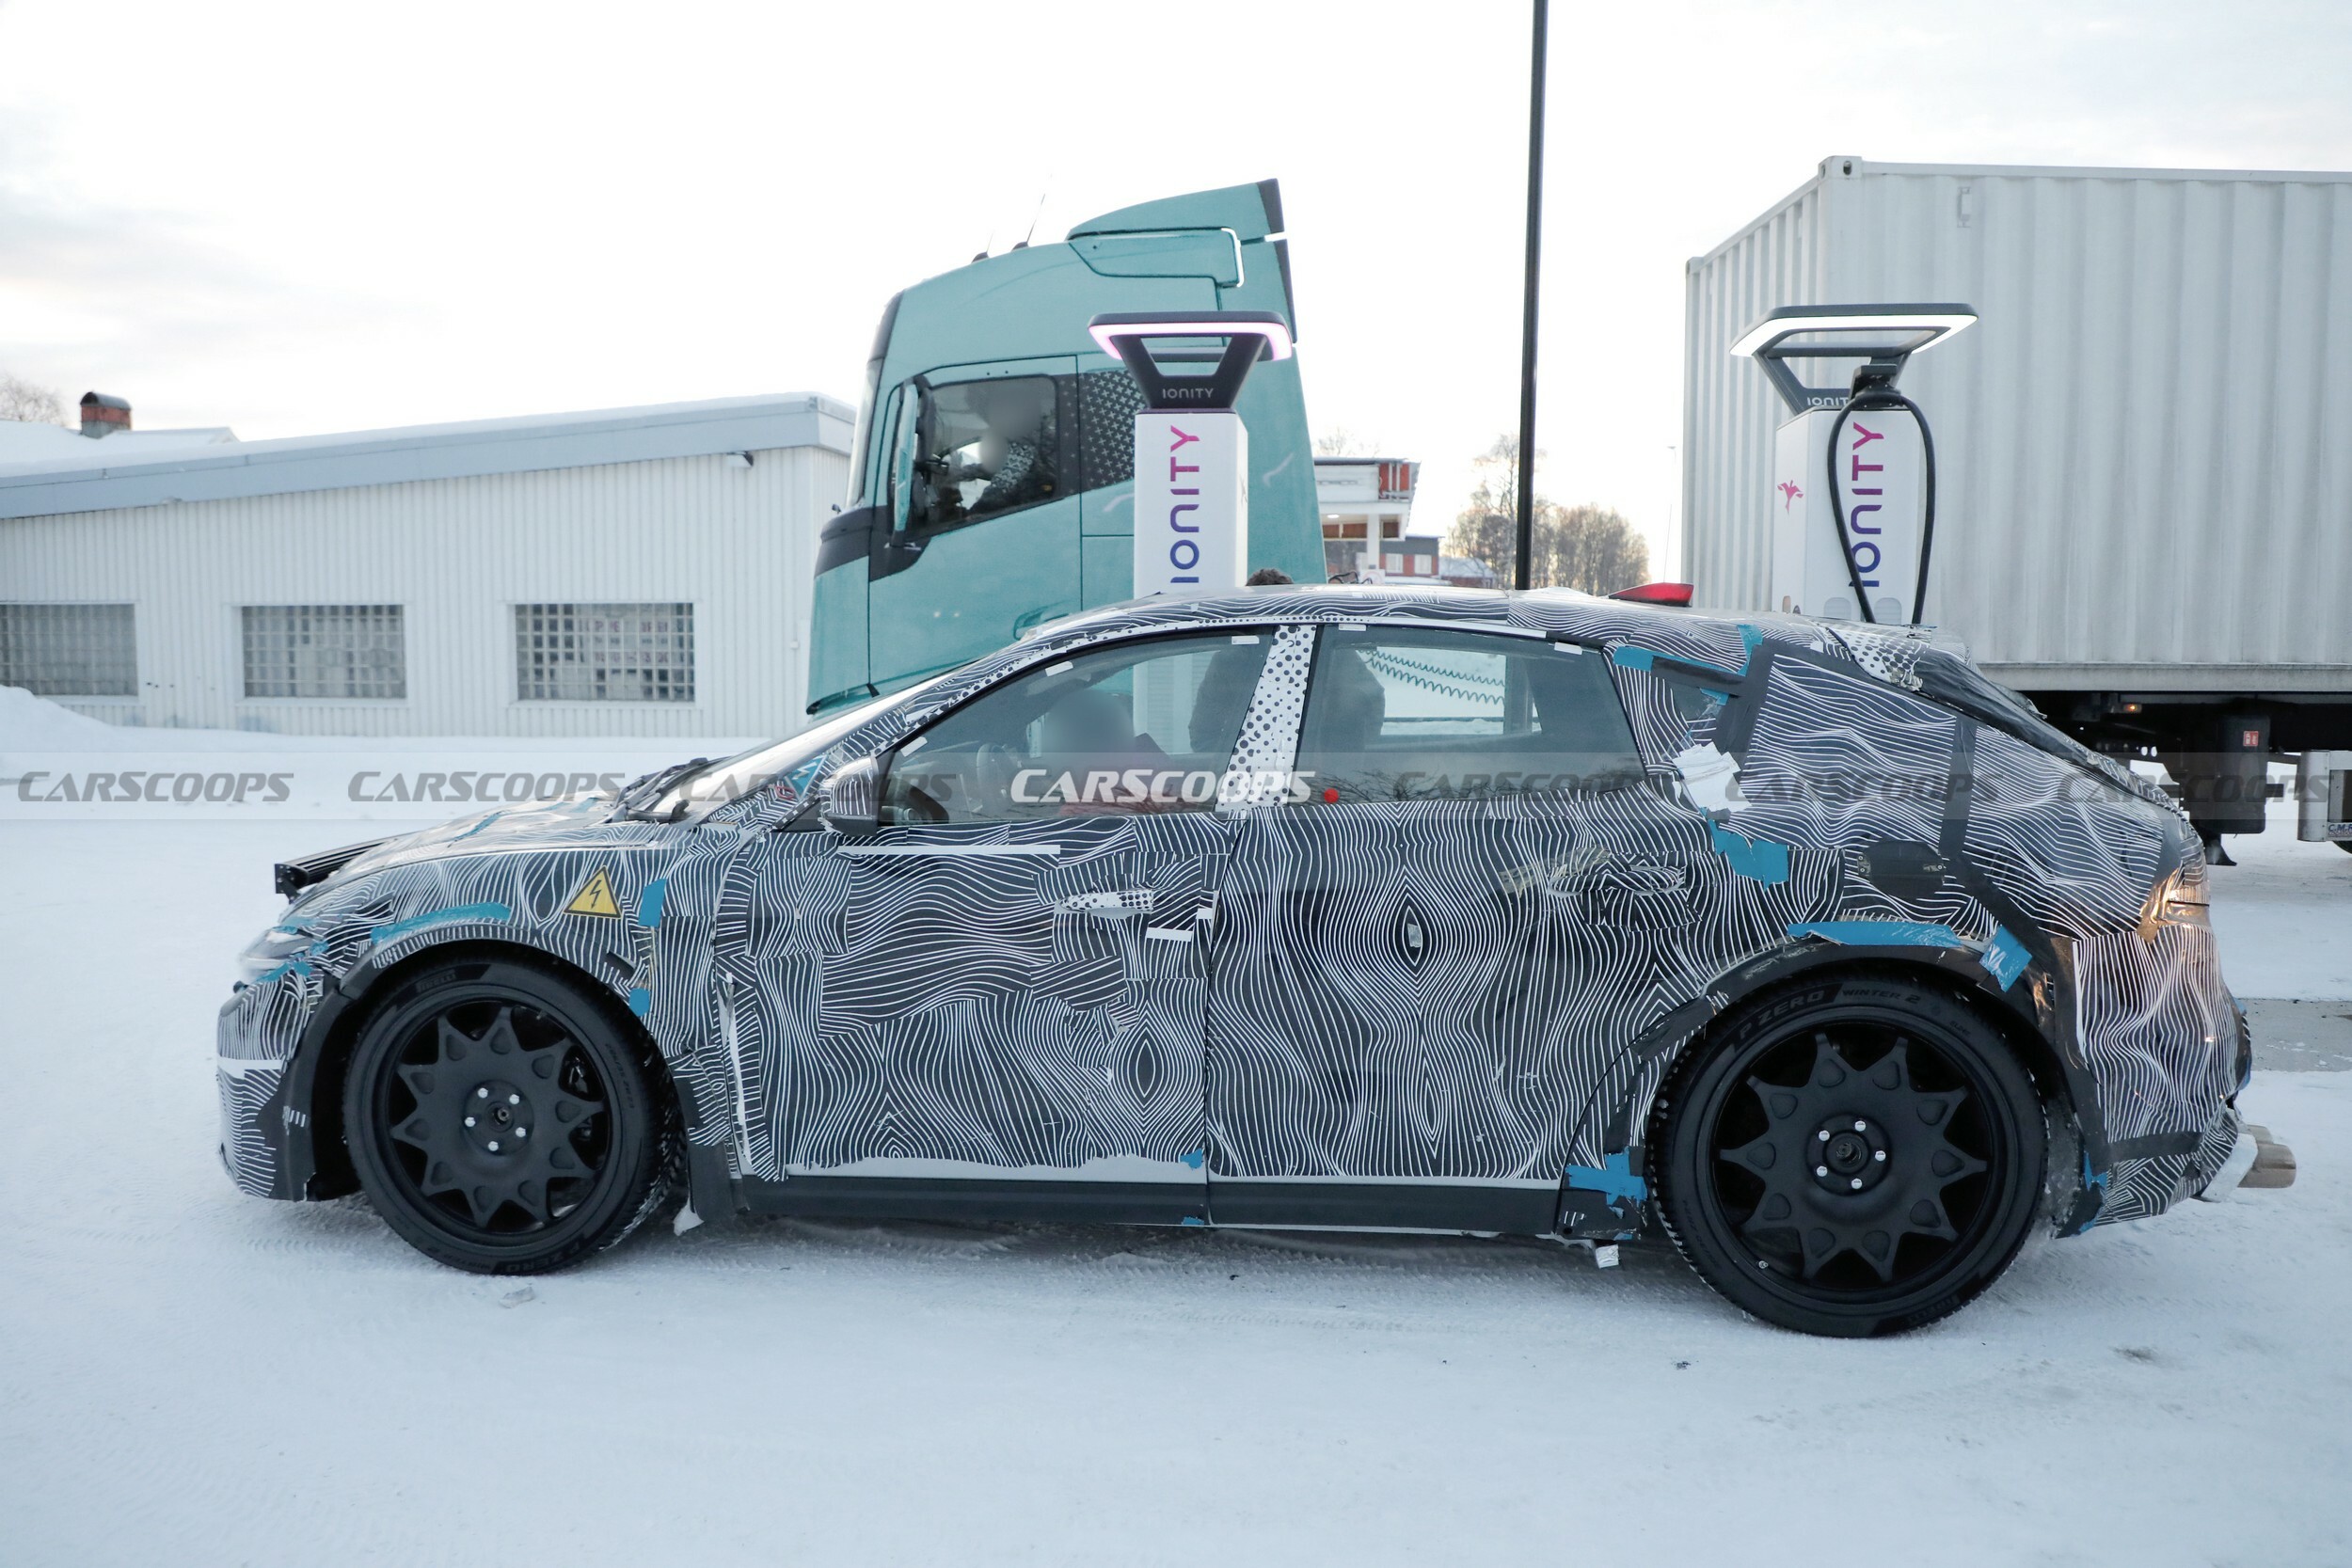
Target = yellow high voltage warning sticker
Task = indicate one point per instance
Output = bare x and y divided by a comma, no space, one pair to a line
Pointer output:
595,898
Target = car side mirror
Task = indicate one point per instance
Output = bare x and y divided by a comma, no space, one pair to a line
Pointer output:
852,805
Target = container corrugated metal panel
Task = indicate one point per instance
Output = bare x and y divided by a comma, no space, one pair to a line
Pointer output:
2145,444
459,554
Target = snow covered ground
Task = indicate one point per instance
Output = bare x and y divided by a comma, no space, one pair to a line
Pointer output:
189,1376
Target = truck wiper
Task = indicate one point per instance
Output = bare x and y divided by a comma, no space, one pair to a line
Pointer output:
651,788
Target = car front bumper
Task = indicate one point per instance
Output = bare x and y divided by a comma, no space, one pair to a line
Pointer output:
257,1042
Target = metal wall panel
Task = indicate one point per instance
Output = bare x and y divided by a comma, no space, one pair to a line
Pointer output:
459,554
2145,445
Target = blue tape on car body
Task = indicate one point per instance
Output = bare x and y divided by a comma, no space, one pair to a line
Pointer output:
1614,1178
1881,933
487,913
1761,860
2005,958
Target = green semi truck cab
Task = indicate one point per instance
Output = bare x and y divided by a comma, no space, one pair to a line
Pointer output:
992,465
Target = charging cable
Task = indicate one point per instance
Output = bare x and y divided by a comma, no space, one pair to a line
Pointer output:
1874,387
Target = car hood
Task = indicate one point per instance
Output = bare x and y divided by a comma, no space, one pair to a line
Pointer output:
503,831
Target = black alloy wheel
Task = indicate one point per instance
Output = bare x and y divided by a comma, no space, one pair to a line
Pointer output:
1852,1156
500,1121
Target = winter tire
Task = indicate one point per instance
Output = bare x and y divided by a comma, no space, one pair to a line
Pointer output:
500,1120
1852,1156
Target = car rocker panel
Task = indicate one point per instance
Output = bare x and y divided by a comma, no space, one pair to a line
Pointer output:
1457,1013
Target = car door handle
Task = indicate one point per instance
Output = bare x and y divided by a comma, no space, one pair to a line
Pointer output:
1120,904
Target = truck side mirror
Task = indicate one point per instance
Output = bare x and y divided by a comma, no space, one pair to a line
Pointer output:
852,805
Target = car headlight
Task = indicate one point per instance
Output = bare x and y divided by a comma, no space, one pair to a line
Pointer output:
273,949
2180,899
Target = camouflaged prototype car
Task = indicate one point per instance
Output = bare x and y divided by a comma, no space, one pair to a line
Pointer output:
1800,944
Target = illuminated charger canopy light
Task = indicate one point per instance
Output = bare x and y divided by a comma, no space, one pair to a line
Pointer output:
1107,329
1899,329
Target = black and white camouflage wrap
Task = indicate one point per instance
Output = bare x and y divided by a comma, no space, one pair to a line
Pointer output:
1468,992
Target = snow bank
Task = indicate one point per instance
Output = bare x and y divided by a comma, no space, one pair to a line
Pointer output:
30,723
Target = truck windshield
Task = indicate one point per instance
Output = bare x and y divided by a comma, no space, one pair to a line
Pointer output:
861,463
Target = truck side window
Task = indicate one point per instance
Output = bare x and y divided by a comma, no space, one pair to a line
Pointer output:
1109,402
984,448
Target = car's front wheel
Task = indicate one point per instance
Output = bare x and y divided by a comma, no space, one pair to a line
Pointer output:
501,1121
1852,1156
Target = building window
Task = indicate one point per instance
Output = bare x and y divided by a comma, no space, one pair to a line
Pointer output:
69,650
329,651
604,653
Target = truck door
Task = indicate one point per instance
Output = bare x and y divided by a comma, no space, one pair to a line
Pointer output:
983,535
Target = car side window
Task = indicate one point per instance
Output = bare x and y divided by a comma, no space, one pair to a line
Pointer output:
984,448
1145,726
1406,714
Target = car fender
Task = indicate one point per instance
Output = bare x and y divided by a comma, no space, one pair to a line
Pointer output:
1611,1200
623,942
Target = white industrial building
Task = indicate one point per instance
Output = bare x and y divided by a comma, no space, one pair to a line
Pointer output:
637,571
1367,507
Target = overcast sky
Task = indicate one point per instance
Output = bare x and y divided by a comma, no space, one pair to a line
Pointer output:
324,217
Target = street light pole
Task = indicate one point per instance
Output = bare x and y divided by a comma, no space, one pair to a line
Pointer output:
1527,329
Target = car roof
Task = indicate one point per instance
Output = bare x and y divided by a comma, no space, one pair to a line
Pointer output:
1305,601
1559,610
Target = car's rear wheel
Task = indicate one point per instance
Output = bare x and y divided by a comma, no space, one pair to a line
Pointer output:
1852,1156
501,1121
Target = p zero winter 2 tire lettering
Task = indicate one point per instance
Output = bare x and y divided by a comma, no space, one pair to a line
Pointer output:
1852,1156
501,1121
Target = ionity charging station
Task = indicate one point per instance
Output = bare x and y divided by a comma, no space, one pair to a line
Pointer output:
1192,450
1853,469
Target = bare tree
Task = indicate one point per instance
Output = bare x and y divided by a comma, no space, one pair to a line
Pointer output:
1343,441
1485,530
21,400
1588,548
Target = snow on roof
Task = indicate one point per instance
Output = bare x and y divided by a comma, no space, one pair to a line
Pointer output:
97,475
24,443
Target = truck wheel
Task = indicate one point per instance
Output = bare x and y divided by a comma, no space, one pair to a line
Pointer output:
1850,1156
499,1120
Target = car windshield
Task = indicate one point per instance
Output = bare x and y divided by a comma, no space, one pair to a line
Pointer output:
732,778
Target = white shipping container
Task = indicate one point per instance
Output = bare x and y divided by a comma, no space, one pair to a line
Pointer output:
2145,444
